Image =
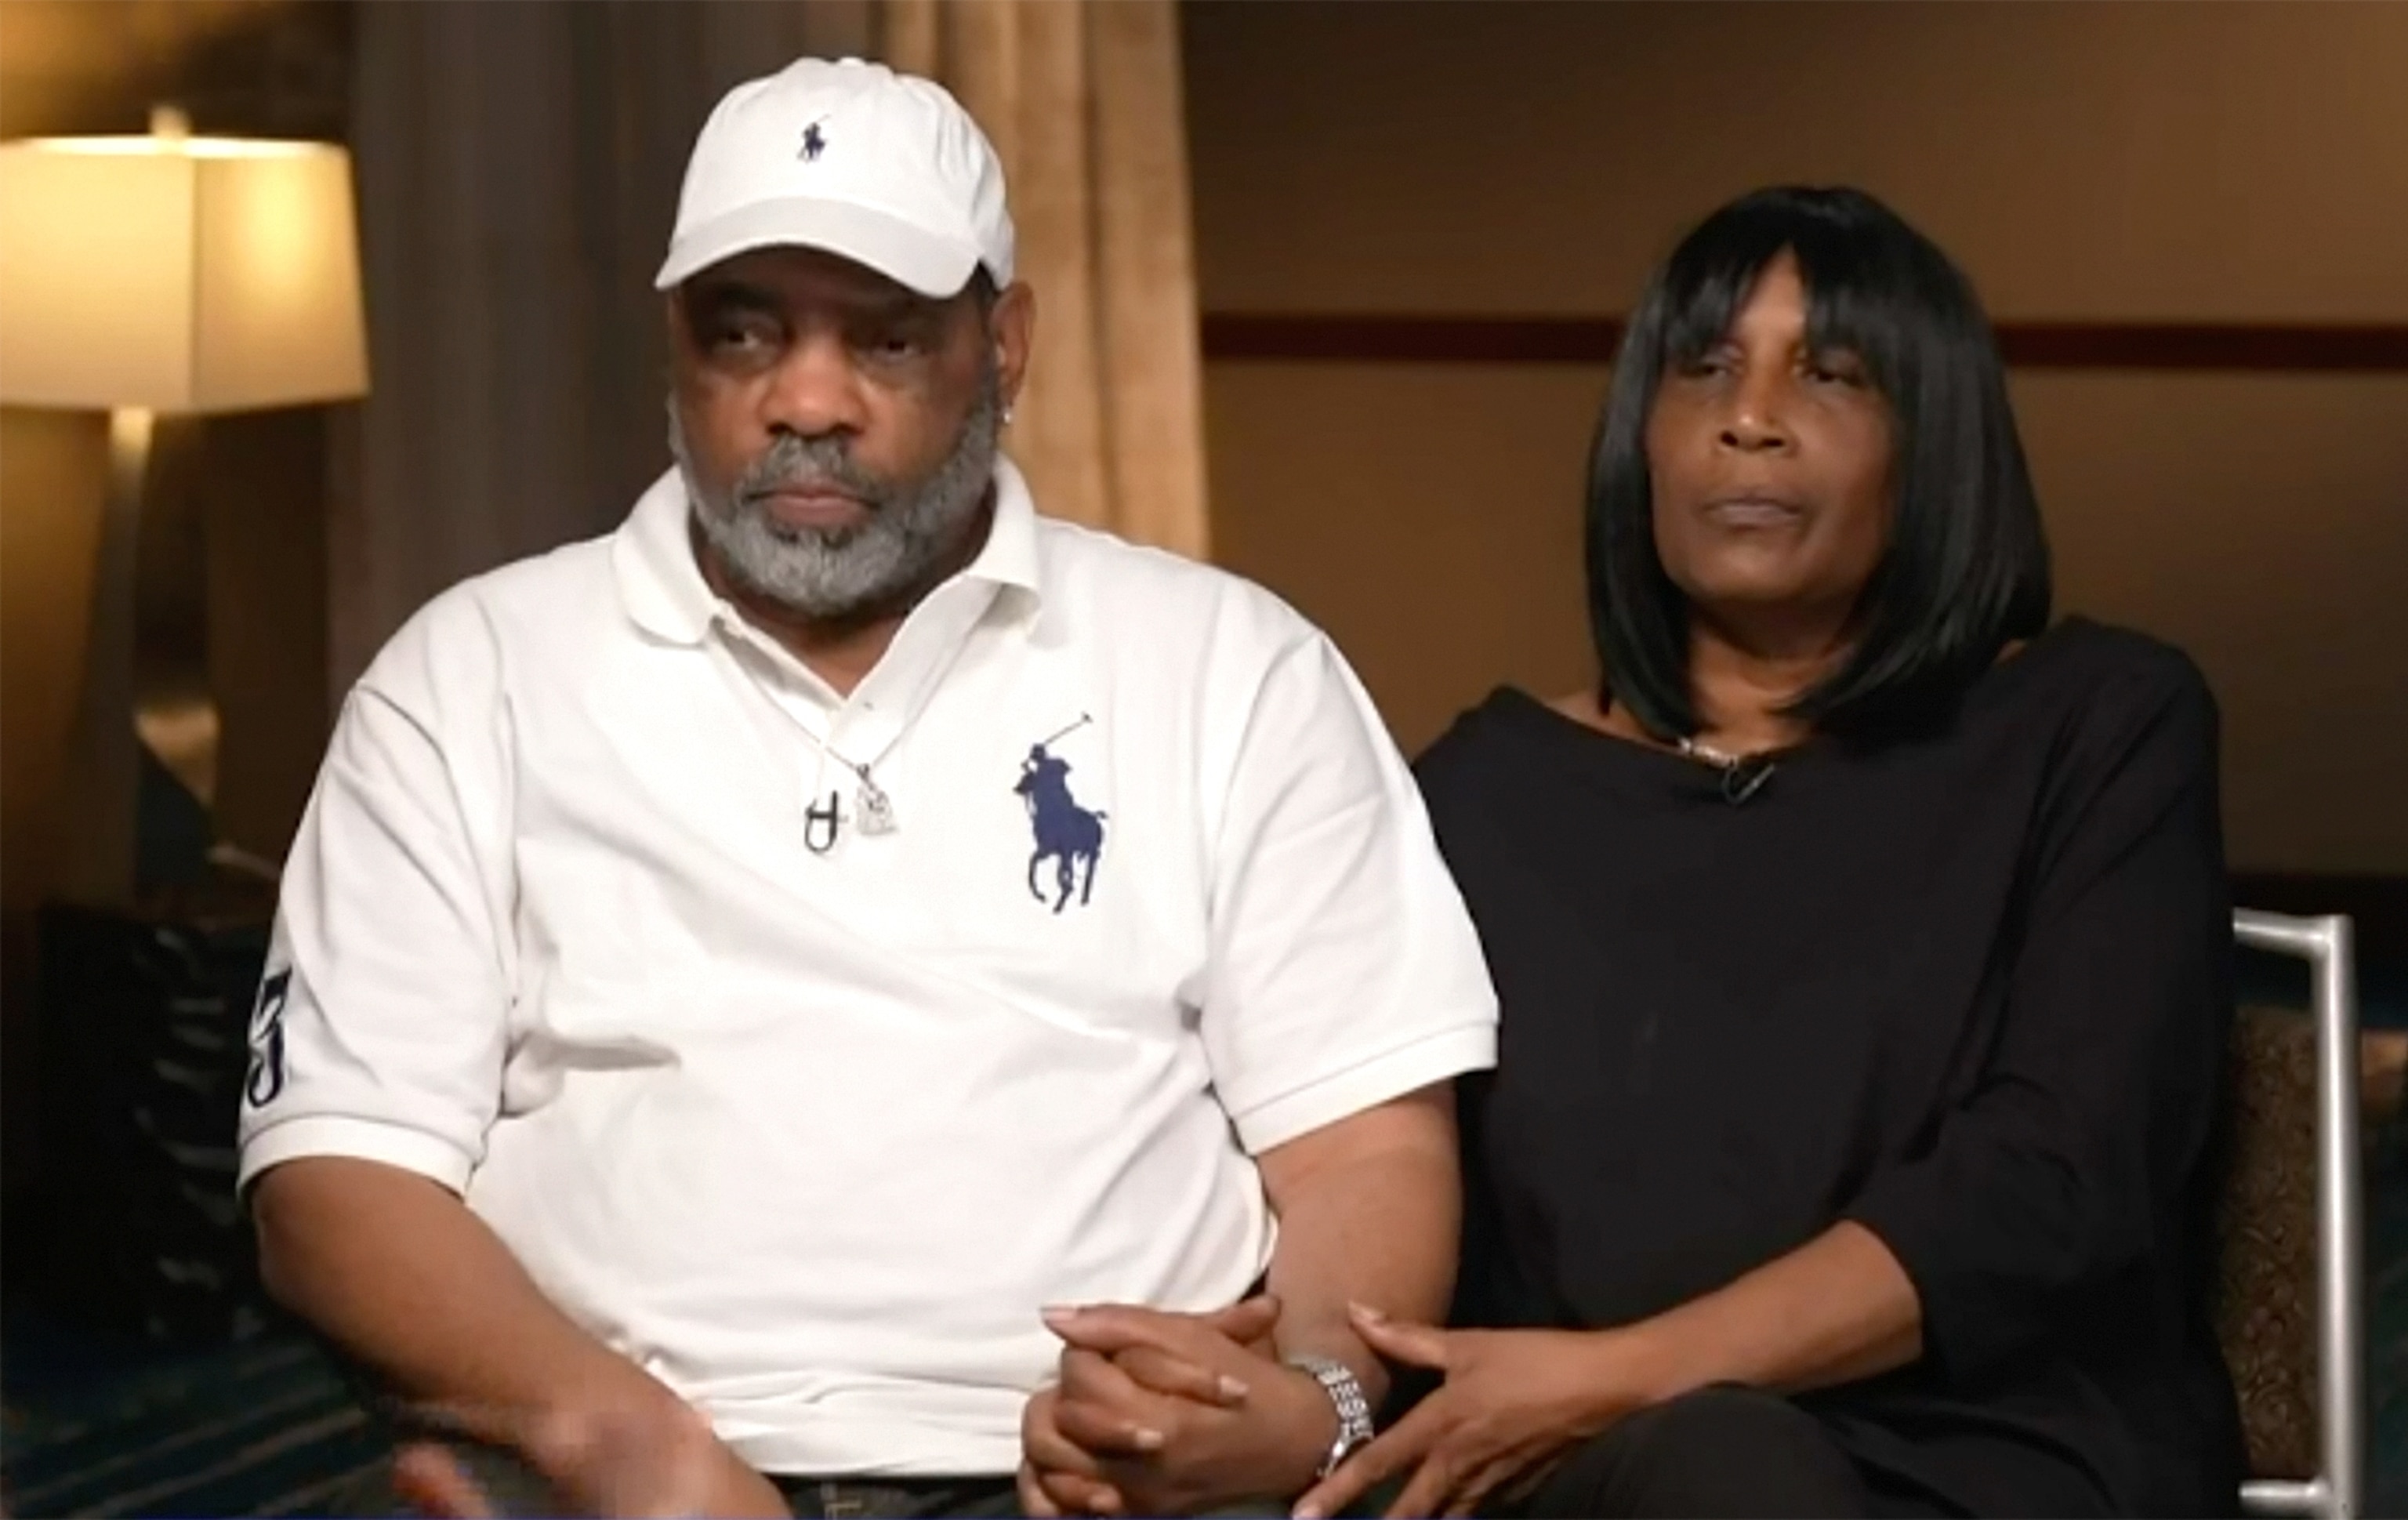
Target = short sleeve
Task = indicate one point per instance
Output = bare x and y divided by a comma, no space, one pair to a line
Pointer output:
380,1027
1344,969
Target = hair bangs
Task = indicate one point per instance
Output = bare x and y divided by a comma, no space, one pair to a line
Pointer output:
1853,286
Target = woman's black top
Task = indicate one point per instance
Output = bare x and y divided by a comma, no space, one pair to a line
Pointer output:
1971,991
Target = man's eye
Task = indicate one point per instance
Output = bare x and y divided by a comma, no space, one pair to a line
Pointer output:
895,345
742,338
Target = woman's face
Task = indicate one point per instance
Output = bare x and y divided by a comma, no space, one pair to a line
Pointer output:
1771,464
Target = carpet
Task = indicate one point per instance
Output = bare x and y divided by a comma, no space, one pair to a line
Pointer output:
99,1426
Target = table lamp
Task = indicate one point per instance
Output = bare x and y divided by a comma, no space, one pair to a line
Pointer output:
164,275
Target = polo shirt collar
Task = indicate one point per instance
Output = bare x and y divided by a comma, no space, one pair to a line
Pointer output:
663,586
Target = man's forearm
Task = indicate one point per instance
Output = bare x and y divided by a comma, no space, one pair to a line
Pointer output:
1837,1309
1373,1218
400,1274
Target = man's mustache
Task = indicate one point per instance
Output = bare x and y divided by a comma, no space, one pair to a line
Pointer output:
796,464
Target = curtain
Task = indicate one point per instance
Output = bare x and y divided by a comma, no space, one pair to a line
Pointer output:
518,168
1083,101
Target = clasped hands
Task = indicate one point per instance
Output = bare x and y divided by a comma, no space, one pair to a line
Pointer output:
1163,1413
1156,1412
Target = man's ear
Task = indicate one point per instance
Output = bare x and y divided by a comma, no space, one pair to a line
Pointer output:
1011,327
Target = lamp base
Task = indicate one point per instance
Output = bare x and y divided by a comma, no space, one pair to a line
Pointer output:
142,776
104,772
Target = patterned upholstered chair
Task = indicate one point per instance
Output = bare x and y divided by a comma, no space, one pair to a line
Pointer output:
2289,1312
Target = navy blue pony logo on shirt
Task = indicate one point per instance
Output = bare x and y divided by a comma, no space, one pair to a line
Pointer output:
1068,835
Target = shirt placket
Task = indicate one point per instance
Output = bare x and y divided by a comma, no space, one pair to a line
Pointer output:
862,729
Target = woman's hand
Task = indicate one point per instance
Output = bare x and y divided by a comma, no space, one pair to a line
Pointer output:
1515,1403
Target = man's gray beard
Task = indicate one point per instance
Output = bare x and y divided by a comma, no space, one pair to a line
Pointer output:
843,572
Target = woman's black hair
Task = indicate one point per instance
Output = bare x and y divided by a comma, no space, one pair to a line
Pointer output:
1966,569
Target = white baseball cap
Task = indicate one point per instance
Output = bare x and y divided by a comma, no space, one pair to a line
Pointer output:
885,169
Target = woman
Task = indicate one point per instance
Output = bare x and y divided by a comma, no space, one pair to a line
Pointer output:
1863,948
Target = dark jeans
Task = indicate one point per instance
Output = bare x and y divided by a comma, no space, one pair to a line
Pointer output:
971,1499
517,1493
1721,1451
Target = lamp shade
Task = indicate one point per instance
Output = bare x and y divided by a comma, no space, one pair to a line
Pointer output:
178,274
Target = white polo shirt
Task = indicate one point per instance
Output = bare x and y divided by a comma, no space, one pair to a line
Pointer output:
813,1133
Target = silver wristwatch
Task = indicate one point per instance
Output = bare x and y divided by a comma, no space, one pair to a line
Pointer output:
1346,1397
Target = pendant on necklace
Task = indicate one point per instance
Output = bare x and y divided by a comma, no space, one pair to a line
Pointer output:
877,812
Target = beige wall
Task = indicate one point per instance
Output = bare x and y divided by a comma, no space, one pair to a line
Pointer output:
2229,162
1429,518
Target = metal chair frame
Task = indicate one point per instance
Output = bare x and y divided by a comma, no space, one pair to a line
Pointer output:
2338,1490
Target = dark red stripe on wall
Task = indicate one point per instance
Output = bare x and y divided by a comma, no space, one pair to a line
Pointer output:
1505,340
2362,349
2245,346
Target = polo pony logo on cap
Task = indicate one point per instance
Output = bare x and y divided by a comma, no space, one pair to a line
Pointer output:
814,143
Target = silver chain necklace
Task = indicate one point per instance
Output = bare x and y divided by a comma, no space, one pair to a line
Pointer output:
873,810
871,804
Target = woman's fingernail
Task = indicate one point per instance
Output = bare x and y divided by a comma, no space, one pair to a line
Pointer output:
1232,1388
1306,1512
1147,1440
1367,1312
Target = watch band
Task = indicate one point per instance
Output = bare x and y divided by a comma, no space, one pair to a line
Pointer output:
1346,1397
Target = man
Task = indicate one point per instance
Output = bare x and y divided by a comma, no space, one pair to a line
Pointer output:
702,1058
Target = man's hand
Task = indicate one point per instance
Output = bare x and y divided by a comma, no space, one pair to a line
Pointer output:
1515,1403
624,1465
1165,1413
